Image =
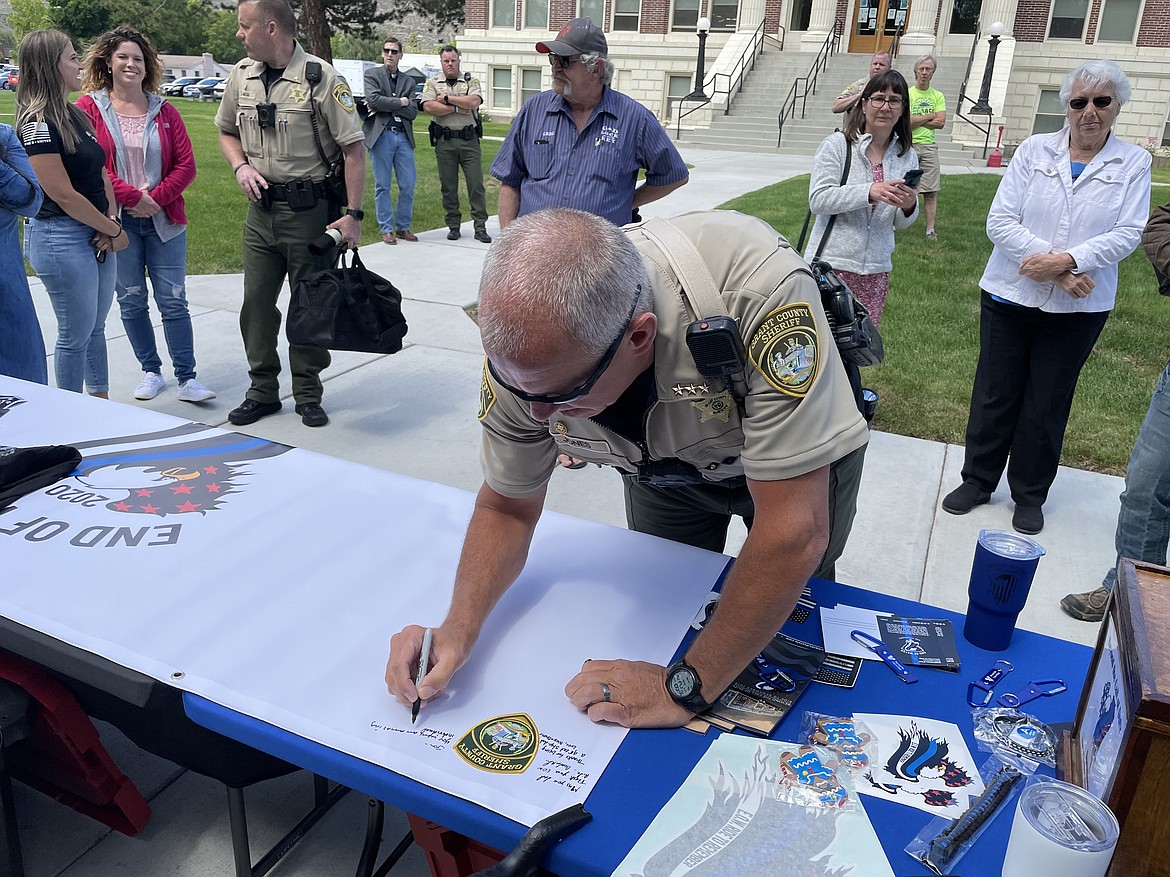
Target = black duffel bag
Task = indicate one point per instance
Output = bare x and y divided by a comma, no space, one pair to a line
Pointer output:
346,308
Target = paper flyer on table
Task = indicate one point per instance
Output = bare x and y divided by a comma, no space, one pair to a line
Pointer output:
727,818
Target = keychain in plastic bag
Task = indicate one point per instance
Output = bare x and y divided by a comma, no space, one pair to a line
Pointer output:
1015,735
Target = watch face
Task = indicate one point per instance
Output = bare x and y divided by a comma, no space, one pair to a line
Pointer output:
681,682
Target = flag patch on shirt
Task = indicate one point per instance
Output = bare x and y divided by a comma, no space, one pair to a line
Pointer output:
35,132
487,396
785,349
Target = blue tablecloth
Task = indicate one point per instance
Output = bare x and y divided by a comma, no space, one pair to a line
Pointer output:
651,765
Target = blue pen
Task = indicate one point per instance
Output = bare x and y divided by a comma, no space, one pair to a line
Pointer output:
878,647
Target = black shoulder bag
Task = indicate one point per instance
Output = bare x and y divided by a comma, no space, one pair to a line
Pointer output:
858,339
346,308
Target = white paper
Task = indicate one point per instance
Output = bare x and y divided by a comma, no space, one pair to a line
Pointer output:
839,621
922,763
727,819
269,579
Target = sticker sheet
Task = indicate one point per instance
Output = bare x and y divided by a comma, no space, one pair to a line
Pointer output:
729,817
923,763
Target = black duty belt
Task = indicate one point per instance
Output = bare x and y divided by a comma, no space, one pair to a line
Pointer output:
283,191
467,133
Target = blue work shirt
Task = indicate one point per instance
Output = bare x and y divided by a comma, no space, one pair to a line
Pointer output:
552,165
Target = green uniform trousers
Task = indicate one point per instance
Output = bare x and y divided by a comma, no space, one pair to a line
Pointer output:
699,514
275,245
451,155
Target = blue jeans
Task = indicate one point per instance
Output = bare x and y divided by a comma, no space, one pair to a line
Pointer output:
393,152
167,264
1143,527
81,289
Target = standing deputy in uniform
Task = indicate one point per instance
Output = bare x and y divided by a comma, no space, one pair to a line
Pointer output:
286,119
454,101
583,325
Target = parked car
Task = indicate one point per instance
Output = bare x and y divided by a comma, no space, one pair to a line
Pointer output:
218,91
175,89
9,79
201,89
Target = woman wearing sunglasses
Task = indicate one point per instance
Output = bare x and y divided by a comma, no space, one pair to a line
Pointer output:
1070,207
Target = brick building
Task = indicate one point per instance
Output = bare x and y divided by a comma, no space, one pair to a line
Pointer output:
654,47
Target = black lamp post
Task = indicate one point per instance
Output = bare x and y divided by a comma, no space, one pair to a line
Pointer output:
702,25
981,105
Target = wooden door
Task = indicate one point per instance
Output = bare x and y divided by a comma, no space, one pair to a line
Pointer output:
875,22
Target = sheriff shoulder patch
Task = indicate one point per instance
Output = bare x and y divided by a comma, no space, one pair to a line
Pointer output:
343,96
785,349
503,744
487,396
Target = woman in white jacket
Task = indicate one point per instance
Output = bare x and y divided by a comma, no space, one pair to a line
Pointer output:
874,199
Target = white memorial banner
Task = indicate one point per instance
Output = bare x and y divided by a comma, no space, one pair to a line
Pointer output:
269,579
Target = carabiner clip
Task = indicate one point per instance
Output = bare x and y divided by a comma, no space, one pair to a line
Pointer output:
988,681
1036,688
878,647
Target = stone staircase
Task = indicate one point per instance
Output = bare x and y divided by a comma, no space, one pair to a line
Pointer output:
751,125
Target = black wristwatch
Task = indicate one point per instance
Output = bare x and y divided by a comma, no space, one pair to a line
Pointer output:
359,215
685,687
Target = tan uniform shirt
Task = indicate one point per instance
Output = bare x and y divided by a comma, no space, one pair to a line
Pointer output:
800,410
437,87
288,151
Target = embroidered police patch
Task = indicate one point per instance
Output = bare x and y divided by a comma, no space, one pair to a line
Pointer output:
785,349
487,396
343,96
504,744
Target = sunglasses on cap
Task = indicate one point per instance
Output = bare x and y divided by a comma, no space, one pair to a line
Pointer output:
1100,102
582,390
562,61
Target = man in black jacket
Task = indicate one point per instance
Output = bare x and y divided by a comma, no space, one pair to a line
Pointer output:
390,139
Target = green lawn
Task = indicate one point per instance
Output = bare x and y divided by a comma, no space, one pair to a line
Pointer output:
931,328
930,325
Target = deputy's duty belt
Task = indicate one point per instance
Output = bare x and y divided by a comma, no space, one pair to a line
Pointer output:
298,194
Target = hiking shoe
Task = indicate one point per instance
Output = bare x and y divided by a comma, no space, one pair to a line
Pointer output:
150,386
1089,606
482,236
964,498
250,411
453,234
312,414
193,391
1028,519
407,235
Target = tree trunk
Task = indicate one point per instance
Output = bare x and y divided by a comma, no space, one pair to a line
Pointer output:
316,29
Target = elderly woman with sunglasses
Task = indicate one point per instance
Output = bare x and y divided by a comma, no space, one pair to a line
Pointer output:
1070,207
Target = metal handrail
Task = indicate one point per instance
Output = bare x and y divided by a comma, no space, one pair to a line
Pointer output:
963,96
803,86
895,44
731,82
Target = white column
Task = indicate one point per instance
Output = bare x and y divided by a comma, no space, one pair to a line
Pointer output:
751,13
919,38
820,24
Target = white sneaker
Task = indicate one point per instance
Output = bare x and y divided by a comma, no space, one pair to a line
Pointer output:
193,391
149,386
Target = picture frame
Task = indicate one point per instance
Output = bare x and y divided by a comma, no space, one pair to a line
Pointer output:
1119,746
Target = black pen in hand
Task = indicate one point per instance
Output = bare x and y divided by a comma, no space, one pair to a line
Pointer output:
423,659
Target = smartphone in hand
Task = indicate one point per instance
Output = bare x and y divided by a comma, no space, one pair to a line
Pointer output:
913,177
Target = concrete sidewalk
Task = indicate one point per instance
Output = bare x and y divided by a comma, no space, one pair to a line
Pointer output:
414,413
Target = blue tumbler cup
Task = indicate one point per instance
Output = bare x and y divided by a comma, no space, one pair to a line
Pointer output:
1001,576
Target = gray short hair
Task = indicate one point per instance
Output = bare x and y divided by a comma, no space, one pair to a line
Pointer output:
933,60
1095,74
563,269
592,59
